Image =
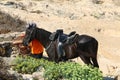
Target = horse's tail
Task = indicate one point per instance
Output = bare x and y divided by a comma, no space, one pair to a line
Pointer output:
95,51
95,47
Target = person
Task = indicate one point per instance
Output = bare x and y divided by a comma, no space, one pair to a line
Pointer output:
36,48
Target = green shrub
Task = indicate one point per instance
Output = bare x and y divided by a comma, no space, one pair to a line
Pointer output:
72,71
57,71
26,65
29,65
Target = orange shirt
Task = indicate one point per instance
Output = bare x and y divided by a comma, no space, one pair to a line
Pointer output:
36,47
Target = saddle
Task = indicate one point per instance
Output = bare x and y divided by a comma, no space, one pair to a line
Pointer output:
65,39
71,33
72,37
68,39
53,36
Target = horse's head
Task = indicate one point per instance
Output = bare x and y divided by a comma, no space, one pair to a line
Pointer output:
29,34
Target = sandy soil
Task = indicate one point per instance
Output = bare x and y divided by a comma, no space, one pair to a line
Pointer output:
101,21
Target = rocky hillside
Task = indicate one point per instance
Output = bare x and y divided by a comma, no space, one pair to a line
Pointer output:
98,18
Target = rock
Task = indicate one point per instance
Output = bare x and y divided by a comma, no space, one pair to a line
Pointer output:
4,74
15,5
98,1
39,74
116,2
3,65
17,75
7,46
10,22
27,77
5,49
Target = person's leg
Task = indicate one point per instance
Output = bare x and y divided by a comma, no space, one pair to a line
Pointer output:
31,54
37,56
40,55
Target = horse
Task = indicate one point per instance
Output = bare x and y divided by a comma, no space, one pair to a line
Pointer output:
84,47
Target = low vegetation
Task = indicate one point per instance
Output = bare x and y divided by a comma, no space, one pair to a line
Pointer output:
57,71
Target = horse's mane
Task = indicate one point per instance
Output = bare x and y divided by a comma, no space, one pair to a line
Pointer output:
43,34
44,31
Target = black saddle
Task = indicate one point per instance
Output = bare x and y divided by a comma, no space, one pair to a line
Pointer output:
69,39
72,38
53,36
72,33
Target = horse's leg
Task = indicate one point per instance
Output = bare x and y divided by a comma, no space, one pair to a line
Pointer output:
93,51
94,58
95,63
85,57
86,60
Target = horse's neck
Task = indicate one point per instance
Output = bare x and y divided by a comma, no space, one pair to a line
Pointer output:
43,37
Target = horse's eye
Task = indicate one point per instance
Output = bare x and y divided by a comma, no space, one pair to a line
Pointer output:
27,31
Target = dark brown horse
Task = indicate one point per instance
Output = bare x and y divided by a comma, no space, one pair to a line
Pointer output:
84,47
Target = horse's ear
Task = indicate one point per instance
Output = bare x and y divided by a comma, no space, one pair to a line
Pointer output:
31,25
34,25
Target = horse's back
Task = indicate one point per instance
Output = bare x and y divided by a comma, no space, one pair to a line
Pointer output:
86,38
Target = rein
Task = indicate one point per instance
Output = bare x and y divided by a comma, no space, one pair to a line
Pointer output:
48,46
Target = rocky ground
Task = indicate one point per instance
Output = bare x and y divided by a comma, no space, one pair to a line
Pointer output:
98,18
